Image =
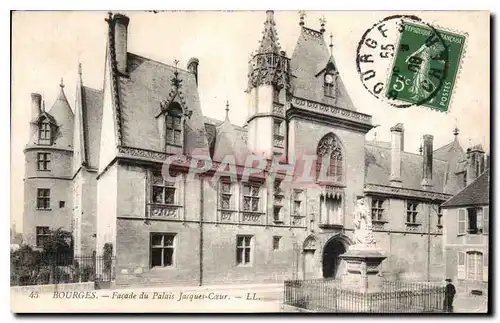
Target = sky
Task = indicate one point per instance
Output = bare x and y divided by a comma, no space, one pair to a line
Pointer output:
47,46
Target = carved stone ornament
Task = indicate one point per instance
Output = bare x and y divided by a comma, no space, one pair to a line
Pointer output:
329,146
331,110
310,244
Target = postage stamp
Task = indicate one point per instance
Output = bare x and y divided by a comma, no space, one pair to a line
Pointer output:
426,65
406,62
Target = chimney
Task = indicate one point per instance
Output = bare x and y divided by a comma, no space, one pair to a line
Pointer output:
397,147
120,23
427,162
192,66
475,163
36,105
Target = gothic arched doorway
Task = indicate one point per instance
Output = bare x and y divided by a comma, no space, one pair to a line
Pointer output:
331,260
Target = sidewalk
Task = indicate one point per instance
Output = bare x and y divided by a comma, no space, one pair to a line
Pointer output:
470,304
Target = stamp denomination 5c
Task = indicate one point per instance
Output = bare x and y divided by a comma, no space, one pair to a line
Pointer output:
425,67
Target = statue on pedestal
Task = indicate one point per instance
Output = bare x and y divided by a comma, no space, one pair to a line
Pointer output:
363,234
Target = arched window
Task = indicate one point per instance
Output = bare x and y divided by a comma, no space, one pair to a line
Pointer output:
329,162
174,136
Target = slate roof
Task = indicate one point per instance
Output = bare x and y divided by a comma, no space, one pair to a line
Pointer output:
62,116
378,169
211,125
228,142
476,193
92,101
444,151
140,94
309,60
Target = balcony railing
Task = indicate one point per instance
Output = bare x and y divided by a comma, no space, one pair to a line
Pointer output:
251,217
378,224
278,141
331,225
164,211
413,226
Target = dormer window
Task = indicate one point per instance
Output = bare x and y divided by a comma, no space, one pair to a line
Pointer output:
329,85
174,125
44,133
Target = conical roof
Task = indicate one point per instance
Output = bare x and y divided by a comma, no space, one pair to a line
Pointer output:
269,42
64,117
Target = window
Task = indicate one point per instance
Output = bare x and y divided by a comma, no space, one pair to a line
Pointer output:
276,243
297,202
330,209
411,212
475,220
42,234
329,85
329,156
44,133
43,199
43,161
163,191
277,127
62,204
243,250
439,215
162,249
276,95
226,194
174,126
474,266
277,213
377,209
251,198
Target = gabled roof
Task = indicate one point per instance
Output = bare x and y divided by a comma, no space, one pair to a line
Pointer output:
444,151
148,84
308,63
211,126
476,193
378,169
228,142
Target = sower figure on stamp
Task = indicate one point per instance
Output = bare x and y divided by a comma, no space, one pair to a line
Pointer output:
449,294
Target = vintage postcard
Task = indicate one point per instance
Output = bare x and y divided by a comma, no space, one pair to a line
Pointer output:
250,161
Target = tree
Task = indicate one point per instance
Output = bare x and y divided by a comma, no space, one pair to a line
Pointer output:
25,264
58,242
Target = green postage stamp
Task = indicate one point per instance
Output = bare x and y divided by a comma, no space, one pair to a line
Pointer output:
425,66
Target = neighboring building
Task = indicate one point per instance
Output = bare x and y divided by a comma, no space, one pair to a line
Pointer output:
466,231
61,165
194,229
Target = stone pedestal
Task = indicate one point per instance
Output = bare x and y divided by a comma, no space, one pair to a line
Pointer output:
363,269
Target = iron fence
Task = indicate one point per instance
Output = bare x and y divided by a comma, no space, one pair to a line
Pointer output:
61,269
394,297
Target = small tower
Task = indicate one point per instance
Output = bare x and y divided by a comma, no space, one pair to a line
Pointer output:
48,160
268,79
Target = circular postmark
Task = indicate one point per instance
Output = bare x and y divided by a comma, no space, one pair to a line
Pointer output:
402,61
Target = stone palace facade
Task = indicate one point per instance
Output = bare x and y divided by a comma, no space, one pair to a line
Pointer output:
97,171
